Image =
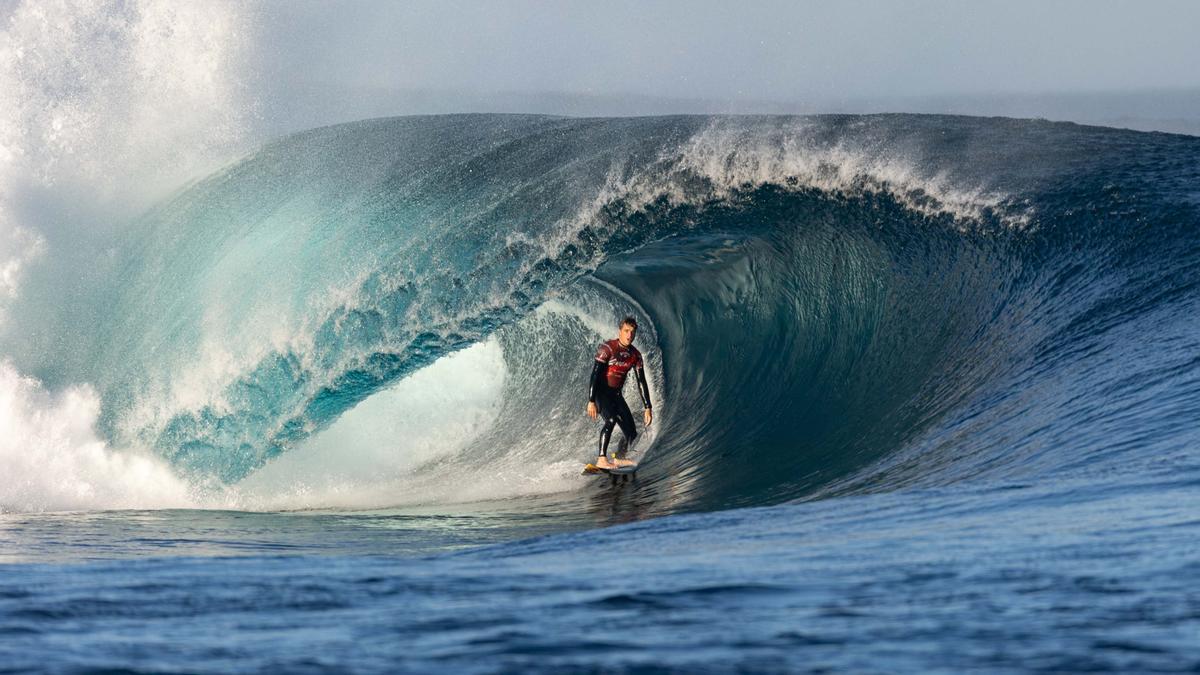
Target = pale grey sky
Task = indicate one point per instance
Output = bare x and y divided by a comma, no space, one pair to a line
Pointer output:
753,50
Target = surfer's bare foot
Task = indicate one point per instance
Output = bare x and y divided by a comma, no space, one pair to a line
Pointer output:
604,463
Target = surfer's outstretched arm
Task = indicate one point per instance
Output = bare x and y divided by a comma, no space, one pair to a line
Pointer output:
644,390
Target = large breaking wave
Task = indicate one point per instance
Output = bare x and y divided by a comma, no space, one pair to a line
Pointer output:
403,310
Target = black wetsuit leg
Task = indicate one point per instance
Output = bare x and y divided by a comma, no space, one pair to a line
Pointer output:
614,411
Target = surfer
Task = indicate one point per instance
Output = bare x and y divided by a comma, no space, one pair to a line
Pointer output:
614,359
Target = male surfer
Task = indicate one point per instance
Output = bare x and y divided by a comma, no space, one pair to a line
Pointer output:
614,360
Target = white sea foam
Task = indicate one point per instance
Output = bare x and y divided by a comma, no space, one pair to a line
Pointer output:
51,459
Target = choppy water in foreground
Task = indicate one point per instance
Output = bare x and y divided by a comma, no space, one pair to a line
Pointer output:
1082,576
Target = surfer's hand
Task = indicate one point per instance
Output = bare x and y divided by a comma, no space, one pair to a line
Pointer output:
649,417
592,409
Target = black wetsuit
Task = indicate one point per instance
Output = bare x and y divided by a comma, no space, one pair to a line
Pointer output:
612,364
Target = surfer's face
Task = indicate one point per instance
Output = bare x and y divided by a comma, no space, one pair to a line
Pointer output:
627,334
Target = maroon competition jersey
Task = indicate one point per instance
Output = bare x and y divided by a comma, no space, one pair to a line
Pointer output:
620,361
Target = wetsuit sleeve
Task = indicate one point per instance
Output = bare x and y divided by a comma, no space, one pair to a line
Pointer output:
599,371
599,378
643,387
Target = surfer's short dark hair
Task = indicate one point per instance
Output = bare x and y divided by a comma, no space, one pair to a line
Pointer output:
628,321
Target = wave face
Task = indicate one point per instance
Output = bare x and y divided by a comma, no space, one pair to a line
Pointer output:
403,310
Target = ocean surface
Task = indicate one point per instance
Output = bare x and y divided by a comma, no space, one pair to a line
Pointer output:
926,400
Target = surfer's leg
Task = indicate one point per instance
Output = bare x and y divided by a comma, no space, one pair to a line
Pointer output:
608,413
606,435
602,459
628,430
